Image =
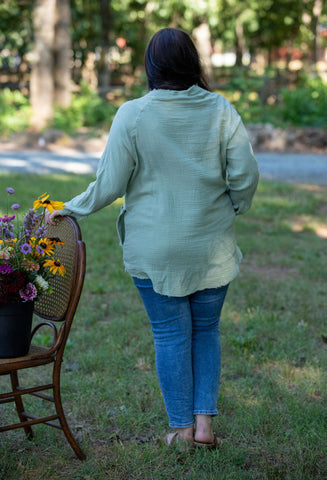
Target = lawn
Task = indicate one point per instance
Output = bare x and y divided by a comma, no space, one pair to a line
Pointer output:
273,395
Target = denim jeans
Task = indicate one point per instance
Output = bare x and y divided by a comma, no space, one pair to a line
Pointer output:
187,349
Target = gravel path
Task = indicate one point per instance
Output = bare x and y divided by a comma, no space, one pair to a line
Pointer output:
288,167
294,167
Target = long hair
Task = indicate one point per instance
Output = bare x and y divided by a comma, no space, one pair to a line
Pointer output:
172,61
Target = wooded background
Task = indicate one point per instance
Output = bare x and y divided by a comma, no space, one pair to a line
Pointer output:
48,48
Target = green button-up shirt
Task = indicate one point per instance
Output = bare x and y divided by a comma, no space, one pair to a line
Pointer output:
184,163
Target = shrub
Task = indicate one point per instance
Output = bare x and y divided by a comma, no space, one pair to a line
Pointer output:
86,110
14,111
306,105
247,92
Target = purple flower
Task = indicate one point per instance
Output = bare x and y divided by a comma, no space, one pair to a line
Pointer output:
10,190
29,222
6,227
4,269
15,206
28,293
7,219
39,250
25,248
41,231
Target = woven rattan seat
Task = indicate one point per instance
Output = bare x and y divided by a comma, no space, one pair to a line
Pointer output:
56,312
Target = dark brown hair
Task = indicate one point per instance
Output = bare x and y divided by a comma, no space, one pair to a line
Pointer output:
172,61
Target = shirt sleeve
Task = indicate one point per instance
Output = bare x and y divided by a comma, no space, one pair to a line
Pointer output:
114,171
242,169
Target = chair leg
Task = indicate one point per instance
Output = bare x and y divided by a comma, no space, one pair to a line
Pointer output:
62,418
19,404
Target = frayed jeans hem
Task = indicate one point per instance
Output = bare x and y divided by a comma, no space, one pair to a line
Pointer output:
185,425
206,412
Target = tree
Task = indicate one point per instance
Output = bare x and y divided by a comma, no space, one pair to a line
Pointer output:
92,37
62,54
279,24
134,21
42,84
50,77
202,39
317,10
105,40
15,26
259,25
15,37
252,26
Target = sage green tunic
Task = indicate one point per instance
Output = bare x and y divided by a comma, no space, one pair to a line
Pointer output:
184,163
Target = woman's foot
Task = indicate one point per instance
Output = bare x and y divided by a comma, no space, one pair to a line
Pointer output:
216,443
182,438
204,435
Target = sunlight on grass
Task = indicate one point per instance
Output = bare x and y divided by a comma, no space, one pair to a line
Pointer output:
119,202
305,223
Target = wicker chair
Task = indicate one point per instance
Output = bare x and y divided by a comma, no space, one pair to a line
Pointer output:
57,309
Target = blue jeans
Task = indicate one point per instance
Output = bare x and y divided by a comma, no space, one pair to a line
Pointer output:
187,349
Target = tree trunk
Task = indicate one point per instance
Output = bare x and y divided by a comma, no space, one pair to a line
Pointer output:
41,87
240,44
103,65
317,9
202,39
62,54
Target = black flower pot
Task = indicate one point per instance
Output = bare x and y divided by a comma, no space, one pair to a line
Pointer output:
15,329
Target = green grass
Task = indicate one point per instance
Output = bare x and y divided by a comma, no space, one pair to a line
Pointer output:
273,395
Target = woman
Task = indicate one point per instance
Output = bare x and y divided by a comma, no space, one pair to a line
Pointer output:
181,157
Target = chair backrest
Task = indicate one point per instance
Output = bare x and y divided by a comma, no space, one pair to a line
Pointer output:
62,302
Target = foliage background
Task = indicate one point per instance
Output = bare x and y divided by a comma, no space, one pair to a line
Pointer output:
279,47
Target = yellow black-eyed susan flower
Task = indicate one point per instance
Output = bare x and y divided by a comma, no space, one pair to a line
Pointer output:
56,241
43,201
46,245
55,266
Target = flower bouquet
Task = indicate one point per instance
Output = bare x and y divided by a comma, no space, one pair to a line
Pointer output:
27,261
27,253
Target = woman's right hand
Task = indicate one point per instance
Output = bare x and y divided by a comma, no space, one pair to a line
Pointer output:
49,218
